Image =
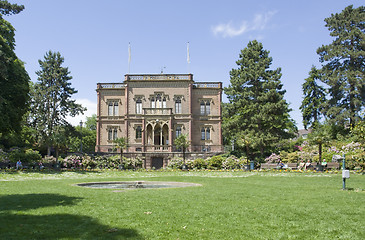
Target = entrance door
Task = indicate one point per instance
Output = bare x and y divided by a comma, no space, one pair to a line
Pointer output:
157,162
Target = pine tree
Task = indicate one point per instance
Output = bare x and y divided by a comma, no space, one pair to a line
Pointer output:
344,65
51,99
257,109
314,99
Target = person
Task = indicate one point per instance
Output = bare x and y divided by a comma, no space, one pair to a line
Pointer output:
301,165
280,165
41,166
308,164
18,164
324,163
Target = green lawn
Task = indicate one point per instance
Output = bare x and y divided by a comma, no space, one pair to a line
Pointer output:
228,205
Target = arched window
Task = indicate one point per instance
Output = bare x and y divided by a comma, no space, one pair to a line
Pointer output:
204,107
178,105
113,108
164,102
205,133
158,101
139,106
138,132
178,131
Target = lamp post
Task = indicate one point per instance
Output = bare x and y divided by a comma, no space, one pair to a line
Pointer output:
81,136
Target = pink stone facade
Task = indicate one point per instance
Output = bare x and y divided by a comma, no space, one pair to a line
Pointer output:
151,110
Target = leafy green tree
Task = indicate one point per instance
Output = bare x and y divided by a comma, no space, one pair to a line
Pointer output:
51,99
314,99
182,142
14,80
87,134
257,109
344,65
7,8
320,136
121,143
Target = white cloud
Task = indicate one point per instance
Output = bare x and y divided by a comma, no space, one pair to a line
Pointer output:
258,23
91,109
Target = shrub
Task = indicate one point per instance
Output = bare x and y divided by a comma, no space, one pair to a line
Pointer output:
3,155
88,162
16,154
200,163
292,157
175,163
215,162
273,158
72,161
231,162
32,155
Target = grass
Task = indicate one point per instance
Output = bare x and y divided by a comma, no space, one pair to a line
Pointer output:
229,205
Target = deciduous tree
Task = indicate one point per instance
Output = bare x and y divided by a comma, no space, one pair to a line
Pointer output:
14,80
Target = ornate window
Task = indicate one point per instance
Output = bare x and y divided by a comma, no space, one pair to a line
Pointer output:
113,108
158,100
178,105
205,133
139,106
178,131
112,134
138,132
204,107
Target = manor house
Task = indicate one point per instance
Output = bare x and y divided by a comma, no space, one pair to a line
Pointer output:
152,110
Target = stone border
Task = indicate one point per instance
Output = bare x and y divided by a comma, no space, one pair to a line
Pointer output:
137,183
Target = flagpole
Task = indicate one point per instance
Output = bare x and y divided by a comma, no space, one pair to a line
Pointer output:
188,57
129,57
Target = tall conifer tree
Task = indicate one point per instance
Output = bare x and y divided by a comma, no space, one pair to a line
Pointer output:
344,65
257,109
314,99
51,99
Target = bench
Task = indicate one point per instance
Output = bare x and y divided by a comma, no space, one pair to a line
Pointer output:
275,166
330,165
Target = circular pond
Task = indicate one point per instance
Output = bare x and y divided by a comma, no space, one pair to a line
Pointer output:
137,184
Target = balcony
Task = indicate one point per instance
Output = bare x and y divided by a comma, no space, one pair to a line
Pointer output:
111,85
207,85
157,111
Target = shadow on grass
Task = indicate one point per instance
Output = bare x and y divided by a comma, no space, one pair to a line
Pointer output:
59,226
22,202
15,223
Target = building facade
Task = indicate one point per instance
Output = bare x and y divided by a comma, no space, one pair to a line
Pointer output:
151,110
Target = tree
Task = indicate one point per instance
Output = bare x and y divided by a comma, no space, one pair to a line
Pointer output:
344,65
182,142
320,136
314,98
121,143
87,134
257,109
51,99
14,80
7,8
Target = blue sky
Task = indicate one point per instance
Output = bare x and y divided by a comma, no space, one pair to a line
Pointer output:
93,38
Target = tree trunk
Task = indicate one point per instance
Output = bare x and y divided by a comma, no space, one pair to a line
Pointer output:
48,150
320,152
121,156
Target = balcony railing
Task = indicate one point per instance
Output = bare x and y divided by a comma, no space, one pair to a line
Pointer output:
160,77
207,85
157,111
111,85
